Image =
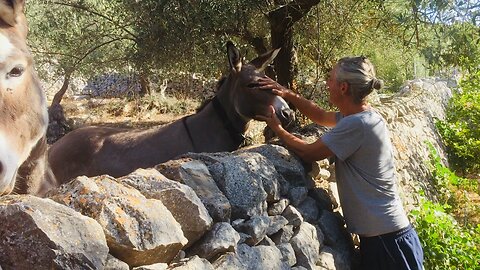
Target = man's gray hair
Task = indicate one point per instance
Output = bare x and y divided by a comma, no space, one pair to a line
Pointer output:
359,73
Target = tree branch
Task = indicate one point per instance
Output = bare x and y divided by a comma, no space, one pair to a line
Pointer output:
287,15
78,6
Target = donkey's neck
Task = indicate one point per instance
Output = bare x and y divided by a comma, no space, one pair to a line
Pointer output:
233,123
216,128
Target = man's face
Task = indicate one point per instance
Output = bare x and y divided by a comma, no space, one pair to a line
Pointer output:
333,86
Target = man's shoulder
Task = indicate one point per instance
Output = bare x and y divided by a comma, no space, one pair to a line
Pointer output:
356,119
367,116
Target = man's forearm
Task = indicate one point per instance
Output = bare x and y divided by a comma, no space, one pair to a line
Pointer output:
306,151
311,110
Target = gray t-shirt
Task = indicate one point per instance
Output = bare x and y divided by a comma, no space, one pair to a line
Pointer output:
364,167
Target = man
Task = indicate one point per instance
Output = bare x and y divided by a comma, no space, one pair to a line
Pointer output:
360,143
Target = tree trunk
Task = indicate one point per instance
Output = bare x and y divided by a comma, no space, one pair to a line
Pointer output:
259,44
145,88
59,95
286,61
281,28
57,123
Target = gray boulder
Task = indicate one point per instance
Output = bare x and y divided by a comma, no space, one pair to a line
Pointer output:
139,231
221,239
196,175
306,245
285,163
192,263
180,200
38,233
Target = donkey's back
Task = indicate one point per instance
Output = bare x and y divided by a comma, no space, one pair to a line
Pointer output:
97,150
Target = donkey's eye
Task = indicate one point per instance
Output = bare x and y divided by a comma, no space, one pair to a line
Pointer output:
16,72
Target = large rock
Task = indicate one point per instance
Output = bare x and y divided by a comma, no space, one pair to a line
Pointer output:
262,257
221,239
293,216
192,263
256,228
309,209
230,261
196,175
155,266
332,226
252,258
288,254
285,163
283,235
331,259
179,199
38,233
113,263
276,223
306,245
139,231
241,178
278,207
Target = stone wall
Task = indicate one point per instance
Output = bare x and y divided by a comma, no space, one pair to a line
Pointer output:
255,208
411,116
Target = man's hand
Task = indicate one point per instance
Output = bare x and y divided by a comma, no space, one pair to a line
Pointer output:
265,83
271,119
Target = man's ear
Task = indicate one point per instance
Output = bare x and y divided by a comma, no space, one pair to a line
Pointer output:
344,88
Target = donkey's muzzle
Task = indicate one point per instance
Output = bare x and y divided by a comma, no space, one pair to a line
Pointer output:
286,116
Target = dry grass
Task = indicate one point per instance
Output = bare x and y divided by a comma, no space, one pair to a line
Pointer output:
126,112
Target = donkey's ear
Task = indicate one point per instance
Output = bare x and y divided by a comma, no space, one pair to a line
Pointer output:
265,59
234,57
10,10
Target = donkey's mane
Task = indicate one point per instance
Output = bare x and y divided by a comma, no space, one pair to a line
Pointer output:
204,103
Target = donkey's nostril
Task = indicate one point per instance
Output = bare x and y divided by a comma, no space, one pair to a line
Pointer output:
287,113
288,116
1,167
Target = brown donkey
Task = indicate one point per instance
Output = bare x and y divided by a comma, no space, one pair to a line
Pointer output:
219,126
23,109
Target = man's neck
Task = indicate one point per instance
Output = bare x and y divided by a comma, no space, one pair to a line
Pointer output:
351,108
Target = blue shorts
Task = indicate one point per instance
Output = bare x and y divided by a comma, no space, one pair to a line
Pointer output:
400,250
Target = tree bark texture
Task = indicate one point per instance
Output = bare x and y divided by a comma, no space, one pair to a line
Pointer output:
59,95
281,27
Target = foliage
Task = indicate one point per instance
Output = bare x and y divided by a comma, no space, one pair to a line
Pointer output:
163,37
454,190
461,129
151,36
453,45
88,36
446,244
444,178
322,41
452,39
360,28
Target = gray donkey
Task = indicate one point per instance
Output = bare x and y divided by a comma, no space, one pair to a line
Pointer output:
219,126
